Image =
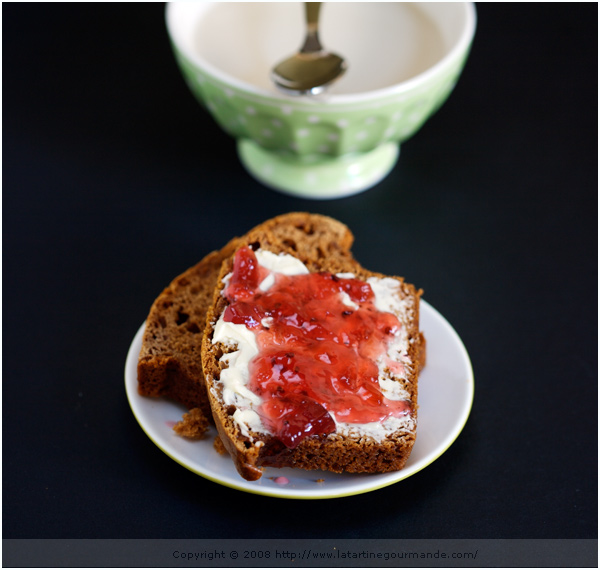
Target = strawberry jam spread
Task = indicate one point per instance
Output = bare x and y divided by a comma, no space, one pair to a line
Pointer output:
319,338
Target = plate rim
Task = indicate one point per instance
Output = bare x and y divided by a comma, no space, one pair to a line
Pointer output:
388,478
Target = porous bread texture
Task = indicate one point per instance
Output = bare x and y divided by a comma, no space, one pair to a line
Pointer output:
333,452
169,363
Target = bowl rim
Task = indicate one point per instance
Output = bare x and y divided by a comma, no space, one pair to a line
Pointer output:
460,48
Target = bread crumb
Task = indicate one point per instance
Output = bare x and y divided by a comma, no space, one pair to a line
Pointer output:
219,447
193,425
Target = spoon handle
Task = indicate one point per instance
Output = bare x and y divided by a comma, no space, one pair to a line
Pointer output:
312,43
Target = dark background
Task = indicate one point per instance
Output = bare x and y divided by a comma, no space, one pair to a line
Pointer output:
115,181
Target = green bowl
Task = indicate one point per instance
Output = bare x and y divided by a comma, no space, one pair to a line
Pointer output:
404,60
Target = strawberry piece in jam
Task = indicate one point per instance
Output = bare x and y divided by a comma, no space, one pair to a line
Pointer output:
243,313
245,277
319,338
294,418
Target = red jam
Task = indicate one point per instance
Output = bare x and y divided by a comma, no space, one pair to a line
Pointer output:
317,355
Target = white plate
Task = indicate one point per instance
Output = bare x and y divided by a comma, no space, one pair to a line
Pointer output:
446,389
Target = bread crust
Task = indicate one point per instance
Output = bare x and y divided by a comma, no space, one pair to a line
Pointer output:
333,452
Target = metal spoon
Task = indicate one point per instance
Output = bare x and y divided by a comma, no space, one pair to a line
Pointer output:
312,69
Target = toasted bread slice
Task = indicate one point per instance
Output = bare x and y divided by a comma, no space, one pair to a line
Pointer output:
349,447
170,362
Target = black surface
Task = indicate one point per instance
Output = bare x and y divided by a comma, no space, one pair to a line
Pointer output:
115,181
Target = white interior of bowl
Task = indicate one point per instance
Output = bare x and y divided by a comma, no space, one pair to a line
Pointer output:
389,46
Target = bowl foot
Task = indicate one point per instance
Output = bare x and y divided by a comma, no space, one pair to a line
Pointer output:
318,177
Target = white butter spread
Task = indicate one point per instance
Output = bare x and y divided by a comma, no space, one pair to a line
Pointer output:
235,376
280,263
348,301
